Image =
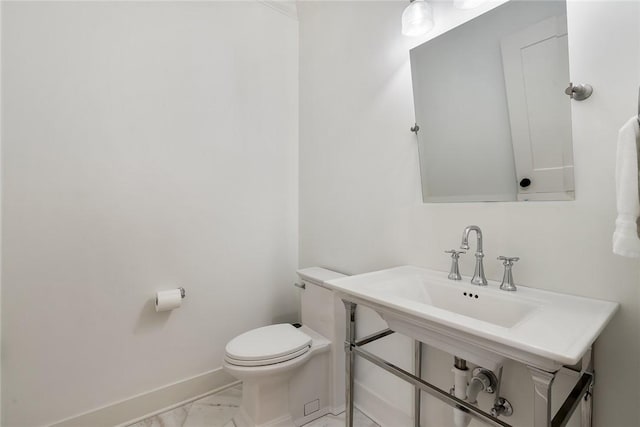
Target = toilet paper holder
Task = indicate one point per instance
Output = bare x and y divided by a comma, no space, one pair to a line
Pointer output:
169,299
183,293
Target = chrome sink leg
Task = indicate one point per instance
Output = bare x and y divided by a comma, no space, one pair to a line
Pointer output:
542,381
349,344
586,406
417,353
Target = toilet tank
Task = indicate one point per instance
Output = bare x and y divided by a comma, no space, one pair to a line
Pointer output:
317,301
323,312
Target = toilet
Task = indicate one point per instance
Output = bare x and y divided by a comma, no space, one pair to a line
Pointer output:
290,375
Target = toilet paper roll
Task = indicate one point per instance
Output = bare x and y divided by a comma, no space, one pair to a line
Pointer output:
168,300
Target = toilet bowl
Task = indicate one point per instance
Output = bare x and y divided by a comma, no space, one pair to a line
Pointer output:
265,359
287,372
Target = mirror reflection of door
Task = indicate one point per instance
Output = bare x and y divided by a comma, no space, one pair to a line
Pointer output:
495,123
536,72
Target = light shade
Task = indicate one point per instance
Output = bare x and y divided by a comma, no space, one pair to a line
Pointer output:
417,18
467,4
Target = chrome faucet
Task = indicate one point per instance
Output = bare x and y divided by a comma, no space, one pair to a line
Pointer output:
454,273
507,279
478,274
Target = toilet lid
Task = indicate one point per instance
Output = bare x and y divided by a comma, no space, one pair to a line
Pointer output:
267,345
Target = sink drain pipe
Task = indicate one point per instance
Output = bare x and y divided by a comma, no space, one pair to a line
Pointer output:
482,380
459,390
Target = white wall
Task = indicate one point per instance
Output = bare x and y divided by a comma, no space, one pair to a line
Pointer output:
146,145
360,207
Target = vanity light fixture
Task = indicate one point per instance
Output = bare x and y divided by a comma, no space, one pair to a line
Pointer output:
467,4
417,18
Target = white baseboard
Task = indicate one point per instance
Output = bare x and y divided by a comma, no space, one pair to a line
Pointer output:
337,410
136,408
139,407
378,409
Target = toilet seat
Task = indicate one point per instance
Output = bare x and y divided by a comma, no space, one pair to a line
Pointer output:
268,345
265,362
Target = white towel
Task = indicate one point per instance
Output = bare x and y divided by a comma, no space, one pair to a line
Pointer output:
625,238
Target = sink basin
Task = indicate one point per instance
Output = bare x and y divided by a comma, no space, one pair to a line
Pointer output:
484,325
418,292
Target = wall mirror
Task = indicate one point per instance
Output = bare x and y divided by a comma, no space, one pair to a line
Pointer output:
495,123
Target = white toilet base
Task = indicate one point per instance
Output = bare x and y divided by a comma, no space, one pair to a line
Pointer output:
266,394
265,403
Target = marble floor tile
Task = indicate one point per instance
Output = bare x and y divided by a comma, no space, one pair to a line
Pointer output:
217,410
231,396
174,418
359,420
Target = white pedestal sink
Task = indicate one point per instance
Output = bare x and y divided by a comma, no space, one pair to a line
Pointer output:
481,324
485,325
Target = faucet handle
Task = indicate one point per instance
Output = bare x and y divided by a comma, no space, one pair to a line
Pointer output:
507,279
455,254
454,273
508,261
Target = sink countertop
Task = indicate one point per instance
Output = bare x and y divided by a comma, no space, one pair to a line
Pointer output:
549,325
